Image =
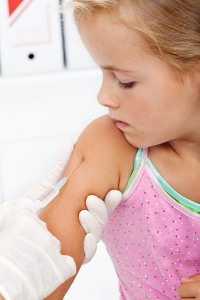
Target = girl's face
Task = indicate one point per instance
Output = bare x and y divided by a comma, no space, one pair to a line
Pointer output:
143,96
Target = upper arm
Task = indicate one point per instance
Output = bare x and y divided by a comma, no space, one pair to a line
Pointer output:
101,151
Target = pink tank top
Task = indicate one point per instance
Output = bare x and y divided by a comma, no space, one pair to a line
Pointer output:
153,240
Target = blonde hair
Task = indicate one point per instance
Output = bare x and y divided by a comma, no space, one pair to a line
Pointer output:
170,27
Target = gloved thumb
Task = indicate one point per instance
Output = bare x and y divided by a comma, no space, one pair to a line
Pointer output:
112,199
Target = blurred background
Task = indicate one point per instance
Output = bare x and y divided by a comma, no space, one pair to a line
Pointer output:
48,89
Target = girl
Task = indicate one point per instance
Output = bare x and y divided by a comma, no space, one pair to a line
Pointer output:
148,147
149,54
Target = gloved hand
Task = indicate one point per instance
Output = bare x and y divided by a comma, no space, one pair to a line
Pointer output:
95,218
31,265
28,249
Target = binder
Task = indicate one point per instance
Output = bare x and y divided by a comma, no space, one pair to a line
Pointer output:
30,36
76,54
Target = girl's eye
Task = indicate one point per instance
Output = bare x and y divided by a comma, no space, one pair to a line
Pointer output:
127,85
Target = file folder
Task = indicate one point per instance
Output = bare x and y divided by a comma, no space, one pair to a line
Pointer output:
30,36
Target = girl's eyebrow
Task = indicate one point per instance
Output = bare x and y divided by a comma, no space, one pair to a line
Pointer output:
112,68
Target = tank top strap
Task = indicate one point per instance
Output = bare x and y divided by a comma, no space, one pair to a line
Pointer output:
144,155
139,166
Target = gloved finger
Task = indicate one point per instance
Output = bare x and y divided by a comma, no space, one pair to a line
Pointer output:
90,224
90,247
98,208
71,270
9,210
112,199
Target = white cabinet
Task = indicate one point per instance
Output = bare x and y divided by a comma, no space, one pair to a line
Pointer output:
30,37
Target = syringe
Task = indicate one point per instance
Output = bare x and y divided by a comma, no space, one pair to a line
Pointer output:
52,192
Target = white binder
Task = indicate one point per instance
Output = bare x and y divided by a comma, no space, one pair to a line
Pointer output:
77,56
30,36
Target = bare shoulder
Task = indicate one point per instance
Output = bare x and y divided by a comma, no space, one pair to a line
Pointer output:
102,128
102,142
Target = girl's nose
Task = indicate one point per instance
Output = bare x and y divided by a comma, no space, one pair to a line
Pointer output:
107,97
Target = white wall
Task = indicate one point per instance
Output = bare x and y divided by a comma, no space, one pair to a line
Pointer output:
36,113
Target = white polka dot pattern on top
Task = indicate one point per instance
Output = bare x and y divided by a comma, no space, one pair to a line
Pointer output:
153,241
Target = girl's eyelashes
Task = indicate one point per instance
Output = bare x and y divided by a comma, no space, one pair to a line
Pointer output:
126,85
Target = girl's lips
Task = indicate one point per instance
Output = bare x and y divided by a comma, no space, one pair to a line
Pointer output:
120,124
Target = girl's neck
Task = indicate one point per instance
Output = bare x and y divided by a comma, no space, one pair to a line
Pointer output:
187,151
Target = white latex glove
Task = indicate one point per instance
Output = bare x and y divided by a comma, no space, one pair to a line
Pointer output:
31,265
95,218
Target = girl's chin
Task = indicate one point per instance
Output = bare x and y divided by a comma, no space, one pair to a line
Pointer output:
134,141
